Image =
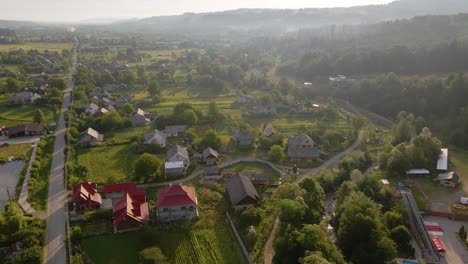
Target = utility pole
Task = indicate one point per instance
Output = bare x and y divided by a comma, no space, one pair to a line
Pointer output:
8,191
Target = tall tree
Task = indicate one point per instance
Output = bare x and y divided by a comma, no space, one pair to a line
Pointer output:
39,117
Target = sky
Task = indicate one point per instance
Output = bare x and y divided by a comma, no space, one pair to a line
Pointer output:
79,10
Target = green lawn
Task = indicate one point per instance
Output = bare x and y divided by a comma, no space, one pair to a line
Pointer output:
114,249
17,115
19,151
459,158
255,166
126,134
107,164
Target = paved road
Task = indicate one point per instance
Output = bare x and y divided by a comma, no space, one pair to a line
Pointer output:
55,246
269,249
455,252
18,140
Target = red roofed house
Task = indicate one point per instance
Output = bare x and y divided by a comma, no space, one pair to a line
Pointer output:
177,202
85,197
131,211
118,190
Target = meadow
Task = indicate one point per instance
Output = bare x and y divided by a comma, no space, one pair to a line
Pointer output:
18,151
40,46
17,115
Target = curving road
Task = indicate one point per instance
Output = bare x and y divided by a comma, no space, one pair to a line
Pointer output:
55,245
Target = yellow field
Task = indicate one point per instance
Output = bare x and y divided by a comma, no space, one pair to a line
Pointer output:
36,46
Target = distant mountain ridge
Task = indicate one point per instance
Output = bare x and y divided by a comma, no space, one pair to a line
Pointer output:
283,20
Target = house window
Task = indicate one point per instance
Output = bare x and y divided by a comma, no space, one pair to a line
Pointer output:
165,209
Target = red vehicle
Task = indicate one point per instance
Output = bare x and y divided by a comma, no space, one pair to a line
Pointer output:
440,247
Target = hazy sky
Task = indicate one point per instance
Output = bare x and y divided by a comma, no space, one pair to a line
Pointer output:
75,10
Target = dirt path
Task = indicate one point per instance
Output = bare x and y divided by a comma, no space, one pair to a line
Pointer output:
269,249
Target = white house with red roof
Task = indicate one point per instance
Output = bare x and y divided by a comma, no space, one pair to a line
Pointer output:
131,211
85,197
177,202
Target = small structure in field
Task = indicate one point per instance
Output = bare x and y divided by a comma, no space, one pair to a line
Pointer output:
442,162
417,172
210,156
90,138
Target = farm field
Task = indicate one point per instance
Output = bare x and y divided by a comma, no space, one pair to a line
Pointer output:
40,46
255,166
18,151
16,115
107,164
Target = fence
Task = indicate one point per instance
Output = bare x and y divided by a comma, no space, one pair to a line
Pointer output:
244,250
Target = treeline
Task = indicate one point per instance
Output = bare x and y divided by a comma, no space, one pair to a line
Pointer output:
444,58
438,103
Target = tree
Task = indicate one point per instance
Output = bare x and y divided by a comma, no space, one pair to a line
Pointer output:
39,117
110,121
210,139
30,255
12,85
154,89
314,258
147,167
462,233
214,114
152,255
313,198
276,153
401,236
127,109
188,117
58,83
313,238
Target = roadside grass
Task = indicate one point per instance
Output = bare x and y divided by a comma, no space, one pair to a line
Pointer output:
37,195
255,166
107,164
18,151
40,46
16,115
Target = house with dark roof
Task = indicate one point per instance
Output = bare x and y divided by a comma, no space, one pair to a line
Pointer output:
242,138
242,192
302,147
85,197
90,138
26,130
23,98
175,131
245,99
177,202
131,211
178,153
210,156
139,118
268,130
155,136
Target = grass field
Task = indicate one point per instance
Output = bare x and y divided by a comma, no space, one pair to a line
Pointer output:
255,166
126,134
459,158
107,164
122,248
19,151
37,46
16,115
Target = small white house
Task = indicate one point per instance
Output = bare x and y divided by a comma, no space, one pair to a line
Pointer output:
174,168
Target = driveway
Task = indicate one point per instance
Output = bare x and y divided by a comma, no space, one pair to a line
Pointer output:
9,175
455,251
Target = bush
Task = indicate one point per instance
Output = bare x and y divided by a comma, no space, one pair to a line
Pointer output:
76,235
99,215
